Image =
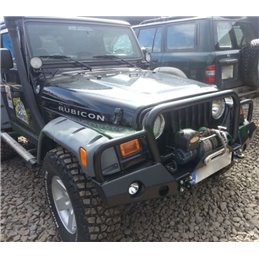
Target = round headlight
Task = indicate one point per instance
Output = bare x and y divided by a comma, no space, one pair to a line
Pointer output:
218,108
159,126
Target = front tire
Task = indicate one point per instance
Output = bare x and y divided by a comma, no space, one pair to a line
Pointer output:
78,211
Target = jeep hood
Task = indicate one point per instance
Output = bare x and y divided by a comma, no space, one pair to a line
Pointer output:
100,95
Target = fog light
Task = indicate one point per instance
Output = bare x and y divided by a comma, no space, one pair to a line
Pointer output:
134,188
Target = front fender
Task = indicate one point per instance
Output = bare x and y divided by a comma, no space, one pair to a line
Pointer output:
71,136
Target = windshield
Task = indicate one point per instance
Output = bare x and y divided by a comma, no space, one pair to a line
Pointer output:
81,41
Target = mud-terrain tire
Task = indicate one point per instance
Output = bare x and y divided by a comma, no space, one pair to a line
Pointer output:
6,152
171,70
92,220
250,63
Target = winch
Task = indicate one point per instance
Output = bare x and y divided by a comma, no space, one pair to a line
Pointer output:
191,145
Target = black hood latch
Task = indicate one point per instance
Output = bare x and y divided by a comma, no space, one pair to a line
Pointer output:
117,116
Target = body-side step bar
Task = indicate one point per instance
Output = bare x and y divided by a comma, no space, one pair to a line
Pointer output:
27,156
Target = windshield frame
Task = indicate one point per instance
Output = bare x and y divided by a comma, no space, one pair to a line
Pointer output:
93,61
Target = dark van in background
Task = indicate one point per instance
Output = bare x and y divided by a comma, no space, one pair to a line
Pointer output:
214,50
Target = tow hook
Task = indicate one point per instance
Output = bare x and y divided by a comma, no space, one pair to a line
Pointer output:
185,183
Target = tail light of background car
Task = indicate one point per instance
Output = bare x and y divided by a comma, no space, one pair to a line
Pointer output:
210,74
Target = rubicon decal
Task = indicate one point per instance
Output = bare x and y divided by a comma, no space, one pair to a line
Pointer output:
81,113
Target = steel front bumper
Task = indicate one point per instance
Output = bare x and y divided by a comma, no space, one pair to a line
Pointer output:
156,181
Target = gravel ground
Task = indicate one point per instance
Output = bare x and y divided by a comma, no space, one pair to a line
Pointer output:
222,208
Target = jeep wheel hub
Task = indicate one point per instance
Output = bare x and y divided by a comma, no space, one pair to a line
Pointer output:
63,205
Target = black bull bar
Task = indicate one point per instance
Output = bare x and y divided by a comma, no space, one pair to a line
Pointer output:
147,131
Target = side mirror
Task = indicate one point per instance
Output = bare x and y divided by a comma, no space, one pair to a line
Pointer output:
146,54
6,59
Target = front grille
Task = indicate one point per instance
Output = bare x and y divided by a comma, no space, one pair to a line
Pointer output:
193,117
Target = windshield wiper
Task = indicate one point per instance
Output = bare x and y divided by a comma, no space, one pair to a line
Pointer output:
109,56
67,58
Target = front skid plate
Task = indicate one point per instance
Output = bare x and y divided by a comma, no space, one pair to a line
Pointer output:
212,167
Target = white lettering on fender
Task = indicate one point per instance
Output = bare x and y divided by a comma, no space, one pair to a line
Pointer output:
100,117
91,116
72,111
83,114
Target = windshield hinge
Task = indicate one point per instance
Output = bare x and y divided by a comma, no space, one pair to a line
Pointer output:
117,116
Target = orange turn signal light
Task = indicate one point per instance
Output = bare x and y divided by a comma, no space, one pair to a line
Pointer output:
83,156
130,147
